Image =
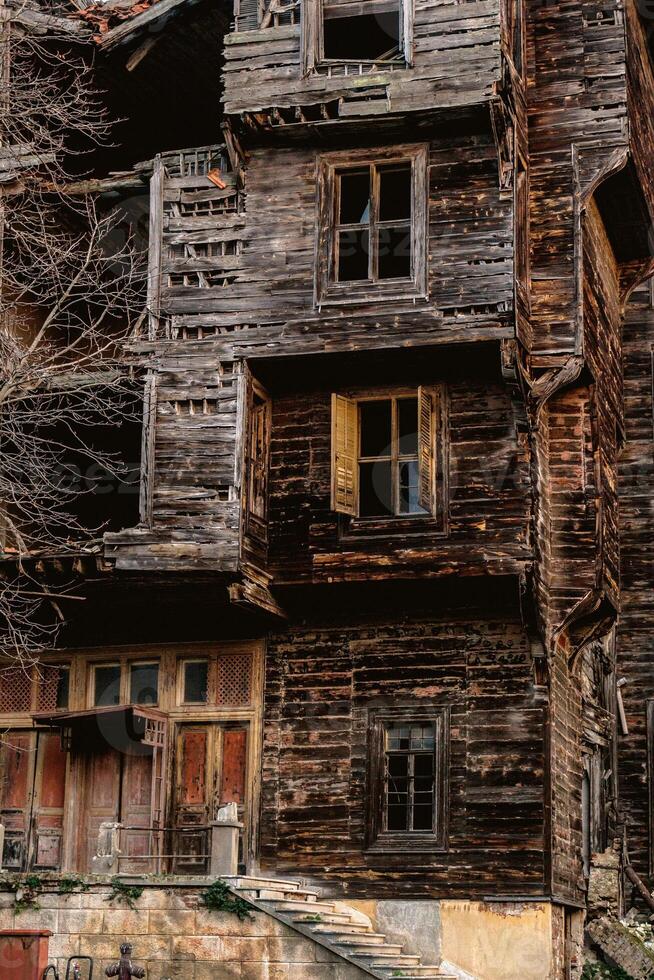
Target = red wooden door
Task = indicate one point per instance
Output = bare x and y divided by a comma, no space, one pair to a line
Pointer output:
135,812
17,758
211,770
48,804
102,797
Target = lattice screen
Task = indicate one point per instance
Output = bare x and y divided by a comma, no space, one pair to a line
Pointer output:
48,682
15,690
234,681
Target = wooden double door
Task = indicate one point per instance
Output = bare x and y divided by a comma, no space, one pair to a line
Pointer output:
211,770
118,789
32,795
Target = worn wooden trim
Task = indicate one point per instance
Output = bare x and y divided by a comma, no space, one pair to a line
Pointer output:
384,842
326,291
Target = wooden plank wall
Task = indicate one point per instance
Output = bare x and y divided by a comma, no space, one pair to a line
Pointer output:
576,96
456,61
322,679
635,641
486,524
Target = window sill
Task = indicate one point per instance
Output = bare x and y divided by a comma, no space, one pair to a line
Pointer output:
364,528
358,293
406,844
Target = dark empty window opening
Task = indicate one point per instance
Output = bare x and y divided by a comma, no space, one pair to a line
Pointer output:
144,683
106,685
409,777
371,36
388,457
196,682
373,235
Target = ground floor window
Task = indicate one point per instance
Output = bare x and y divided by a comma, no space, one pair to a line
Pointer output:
408,778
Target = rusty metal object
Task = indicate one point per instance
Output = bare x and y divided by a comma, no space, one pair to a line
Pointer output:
124,969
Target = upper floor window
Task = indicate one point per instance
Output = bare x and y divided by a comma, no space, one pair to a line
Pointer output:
355,37
225,680
124,682
408,778
384,454
373,225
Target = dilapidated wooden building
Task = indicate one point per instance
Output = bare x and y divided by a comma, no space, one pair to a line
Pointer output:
390,583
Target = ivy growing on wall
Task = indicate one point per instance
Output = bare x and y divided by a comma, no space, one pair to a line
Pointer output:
218,898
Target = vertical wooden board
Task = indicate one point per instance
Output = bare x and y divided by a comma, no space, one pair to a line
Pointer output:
234,763
136,810
16,763
192,769
53,771
102,798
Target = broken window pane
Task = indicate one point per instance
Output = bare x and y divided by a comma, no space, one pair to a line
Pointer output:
375,428
394,250
107,685
407,420
375,489
355,197
369,37
395,192
353,252
196,682
144,683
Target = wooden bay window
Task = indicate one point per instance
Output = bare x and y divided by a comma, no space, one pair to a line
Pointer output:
354,36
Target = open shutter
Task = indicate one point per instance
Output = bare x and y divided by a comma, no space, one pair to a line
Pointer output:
345,439
427,429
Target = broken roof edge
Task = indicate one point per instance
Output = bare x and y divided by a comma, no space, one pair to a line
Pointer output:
131,18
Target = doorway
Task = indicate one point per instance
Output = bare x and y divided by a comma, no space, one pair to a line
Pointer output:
211,770
32,793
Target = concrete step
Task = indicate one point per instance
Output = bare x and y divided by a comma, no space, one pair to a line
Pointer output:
278,894
311,908
332,930
252,881
325,919
370,940
396,959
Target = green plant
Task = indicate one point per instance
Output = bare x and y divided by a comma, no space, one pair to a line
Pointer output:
120,891
600,971
218,898
313,918
27,888
69,885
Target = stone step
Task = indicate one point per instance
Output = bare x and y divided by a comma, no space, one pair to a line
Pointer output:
343,934
396,958
363,940
415,973
312,908
326,919
251,881
278,894
330,930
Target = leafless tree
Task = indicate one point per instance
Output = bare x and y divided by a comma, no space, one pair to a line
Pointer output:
71,291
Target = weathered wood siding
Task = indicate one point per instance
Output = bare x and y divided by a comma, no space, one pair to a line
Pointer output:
635,644
456,61
485,524
321,680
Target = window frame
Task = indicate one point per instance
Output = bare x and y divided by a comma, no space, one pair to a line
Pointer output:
327,290
181,674
313,41
433,519
131,664
414,841
395,457
35,678
125,688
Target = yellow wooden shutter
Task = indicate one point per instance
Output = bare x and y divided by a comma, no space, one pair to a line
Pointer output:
345,447
427,431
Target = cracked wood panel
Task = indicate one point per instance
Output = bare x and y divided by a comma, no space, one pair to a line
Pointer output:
323,679
485,527
456,60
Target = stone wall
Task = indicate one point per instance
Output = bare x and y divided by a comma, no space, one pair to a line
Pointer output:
173,936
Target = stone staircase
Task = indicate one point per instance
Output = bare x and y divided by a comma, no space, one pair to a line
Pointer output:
341,930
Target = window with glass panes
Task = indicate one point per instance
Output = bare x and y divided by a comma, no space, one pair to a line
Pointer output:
409,777
373,230
388,457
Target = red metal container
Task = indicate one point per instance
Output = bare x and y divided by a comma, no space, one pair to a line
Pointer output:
23,953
